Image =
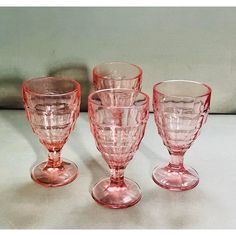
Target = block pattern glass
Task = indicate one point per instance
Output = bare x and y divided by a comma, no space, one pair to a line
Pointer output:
117,75
118,120
180,110
52,106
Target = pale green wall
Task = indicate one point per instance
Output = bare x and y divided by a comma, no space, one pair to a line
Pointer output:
168,43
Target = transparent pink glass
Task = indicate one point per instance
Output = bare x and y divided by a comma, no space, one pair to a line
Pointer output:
180,109
118,120
52,106
117,75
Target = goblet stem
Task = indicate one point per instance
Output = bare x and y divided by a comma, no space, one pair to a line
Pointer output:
54,159
176,161
117,177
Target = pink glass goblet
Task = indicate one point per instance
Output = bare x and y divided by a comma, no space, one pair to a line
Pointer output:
180,110
52,106
117,75
118,120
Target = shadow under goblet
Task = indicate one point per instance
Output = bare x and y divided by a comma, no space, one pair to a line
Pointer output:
52,106
118,120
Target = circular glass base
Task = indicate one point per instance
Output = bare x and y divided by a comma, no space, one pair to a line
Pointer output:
55,177
115,196
175,179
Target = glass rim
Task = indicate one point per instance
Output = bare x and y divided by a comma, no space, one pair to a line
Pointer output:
140,73
146,102
25,89
209,90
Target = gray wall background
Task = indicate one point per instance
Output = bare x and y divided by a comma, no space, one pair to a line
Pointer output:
168,43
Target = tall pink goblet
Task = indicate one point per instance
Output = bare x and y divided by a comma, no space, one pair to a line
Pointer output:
180,109
52,106
118,119
117,75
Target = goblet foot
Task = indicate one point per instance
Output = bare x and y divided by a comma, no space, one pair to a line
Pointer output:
56,176
116,196
175,179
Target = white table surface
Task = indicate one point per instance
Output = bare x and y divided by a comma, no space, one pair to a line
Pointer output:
25,204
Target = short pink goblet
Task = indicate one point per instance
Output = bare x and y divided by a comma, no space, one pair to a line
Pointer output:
117,75
180,109
118,119
52,106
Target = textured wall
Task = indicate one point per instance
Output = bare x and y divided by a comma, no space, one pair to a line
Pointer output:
168,43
